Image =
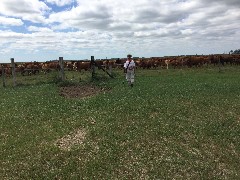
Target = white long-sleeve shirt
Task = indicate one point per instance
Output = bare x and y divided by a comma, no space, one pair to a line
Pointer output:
131,66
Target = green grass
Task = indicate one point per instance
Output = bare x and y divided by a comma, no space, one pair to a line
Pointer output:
173,124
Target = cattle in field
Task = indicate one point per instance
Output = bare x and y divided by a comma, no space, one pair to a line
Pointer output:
137,62
99,63
213,59
228,59
69,65
45,68
54,65
50,66
221,60
216,59
185,61
142,64
80,65
119,63
167,62
175,62
7,70
206,60
155,62
236,59
105,64
161,62
225,59
145,63
112,63
194,61
30,68
1,69
20,68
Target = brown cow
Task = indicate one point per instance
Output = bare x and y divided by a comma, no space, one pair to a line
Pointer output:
79,65
119,63
99,63
145,63
236,59
215,59
30,68
8,71
45,68
69,65
194,61
54,65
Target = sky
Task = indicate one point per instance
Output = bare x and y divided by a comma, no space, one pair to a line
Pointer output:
43,30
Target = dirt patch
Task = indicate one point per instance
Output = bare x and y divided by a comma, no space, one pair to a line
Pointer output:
69,141
81,91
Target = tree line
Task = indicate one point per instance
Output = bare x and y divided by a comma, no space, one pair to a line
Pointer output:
237,51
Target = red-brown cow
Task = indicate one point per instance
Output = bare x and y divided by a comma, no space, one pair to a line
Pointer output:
79,65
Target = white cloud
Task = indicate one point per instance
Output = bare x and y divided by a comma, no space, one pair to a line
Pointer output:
226,3
9,35
39,29
146,28
31,10
187,31
10,21
81,17
60,2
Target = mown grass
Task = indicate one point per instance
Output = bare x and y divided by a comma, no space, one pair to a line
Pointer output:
173,124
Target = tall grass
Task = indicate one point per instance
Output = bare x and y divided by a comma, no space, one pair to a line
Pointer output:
173,124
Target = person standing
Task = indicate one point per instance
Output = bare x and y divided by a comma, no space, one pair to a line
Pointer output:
129,67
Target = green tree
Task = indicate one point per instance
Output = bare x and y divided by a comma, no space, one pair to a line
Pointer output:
237,51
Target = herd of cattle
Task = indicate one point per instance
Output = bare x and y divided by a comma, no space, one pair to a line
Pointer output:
29,68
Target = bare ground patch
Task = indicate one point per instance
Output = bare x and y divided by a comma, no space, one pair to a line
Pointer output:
73,139
81,91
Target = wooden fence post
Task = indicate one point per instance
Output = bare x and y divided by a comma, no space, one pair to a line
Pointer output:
110,68
13,72
219,64
61,63
3,76
93,66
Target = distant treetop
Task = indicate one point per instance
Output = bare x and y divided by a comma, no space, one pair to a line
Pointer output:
237,51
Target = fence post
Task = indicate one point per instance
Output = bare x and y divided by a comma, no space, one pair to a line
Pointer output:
93,66
219,64
13,72
3,76
61,68
110,68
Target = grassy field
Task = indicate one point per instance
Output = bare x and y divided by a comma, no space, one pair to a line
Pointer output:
173,124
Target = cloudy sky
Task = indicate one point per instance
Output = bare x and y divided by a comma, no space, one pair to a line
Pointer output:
41,30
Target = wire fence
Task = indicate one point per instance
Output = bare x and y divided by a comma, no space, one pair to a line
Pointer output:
12,75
